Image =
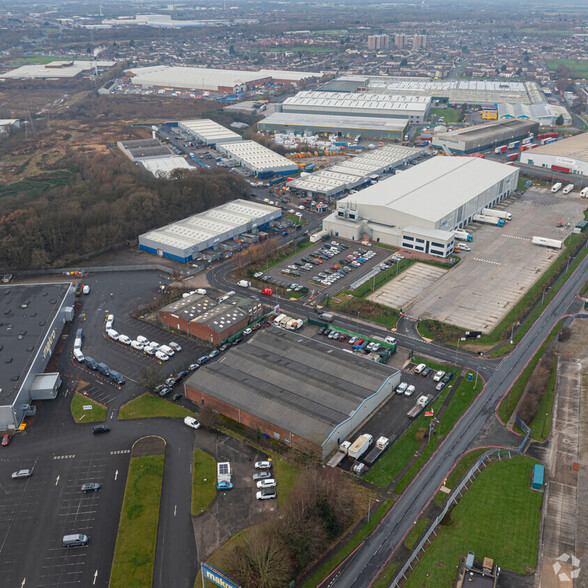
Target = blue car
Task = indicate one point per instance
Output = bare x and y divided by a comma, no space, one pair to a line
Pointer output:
203,359
224,485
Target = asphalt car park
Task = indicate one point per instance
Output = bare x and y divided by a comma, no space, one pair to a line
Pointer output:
320,267
36,512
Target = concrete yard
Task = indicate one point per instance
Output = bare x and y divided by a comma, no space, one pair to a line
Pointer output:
408,286
502,265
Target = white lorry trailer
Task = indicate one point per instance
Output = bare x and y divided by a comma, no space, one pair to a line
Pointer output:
488,220
497,213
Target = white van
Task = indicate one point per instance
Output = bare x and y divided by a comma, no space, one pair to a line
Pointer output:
112,334
78,355
75,540
142,339
167,350
161,355
401,388
78,343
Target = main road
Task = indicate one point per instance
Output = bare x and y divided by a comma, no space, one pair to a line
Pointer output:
362,568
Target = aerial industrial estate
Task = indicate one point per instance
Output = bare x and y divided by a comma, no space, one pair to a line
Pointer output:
292,294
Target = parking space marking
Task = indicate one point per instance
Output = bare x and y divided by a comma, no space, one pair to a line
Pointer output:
64,456
516,237
487,260
119,451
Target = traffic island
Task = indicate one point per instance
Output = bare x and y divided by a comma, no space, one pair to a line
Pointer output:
86,410
134,555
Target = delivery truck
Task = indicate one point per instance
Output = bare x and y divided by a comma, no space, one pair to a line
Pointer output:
462,235
488,220
497,213
360,446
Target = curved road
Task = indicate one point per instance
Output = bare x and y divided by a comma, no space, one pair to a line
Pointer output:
363,566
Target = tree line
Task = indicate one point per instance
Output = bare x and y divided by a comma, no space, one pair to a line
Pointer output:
104,201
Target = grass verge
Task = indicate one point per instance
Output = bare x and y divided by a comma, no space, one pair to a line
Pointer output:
511,511
286,473
541,424
203,481
134,554
509,402
349,546
149,406
96,414
416,532
451,115
458,472
387,575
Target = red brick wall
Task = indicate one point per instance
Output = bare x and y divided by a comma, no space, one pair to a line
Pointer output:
177,323
253,422
205,333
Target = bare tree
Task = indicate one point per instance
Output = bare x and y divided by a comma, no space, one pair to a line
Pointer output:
149,378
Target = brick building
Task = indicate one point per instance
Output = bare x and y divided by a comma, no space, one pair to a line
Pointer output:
299,391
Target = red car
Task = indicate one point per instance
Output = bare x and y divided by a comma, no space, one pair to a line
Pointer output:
318,260
359,341
267,291
334,268
6,439
559,224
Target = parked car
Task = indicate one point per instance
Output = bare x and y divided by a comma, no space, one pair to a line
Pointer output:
401,388
177,396
203,359
90,487
6,439
447,377
124,339
425,373
390,340
137,345
142,339
248,331
192,422
439,376
268,483
261,476
224,485
266,494
175,346
419,368
193,367
161,355
22,474
409,391
263,465
213,353
440,386
112,334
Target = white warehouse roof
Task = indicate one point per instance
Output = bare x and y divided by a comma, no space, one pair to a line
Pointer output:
434,188
163,166
257,158
209,132
56,69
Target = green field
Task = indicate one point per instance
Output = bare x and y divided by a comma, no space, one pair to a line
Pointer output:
286,473
579,68
96,414
148,406
203,481
134,554
498,517
42,59
451,115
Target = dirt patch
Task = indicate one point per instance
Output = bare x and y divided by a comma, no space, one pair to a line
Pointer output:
147,446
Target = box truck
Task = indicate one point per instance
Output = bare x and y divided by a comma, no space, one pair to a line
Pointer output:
360,446
497,213
488,220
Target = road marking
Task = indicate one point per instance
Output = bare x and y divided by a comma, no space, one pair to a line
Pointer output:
95,576
486,261
57,480
24,581
175,509
116,474
119,451
64,456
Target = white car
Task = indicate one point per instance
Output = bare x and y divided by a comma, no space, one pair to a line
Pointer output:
137,345
143,340
124,339
269,483
437,377
401,388
161,355
247,331
419,368
175,346
390,340
266,494
263,465
112,334
409,391
192,422
109,321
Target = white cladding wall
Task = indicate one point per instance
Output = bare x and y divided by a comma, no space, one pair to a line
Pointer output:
577,166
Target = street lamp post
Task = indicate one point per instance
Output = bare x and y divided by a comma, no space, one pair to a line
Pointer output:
544,423
369,505
512,331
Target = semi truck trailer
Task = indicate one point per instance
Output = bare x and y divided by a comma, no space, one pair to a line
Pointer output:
497,213
488,220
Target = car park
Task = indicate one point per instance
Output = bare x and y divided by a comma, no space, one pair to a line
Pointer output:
267,483
99,429
191,422
90,487
266,494
263,465
22,474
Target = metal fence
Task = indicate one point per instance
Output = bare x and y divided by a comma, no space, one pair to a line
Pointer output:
99,269
453,499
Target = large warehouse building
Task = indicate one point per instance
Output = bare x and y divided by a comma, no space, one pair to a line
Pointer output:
566,155
209,132
419,208
369,127
413,108
214,80
183,239
153,156
484,136
542,112
259,160
477,92
57,70
33,319
299,391
354,172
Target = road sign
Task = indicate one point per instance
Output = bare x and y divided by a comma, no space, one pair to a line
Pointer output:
87,407
429,413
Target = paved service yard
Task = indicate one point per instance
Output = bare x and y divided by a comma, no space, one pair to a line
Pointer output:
408,286
502,265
